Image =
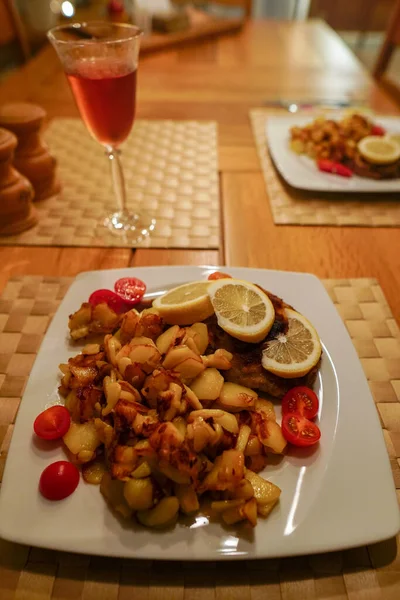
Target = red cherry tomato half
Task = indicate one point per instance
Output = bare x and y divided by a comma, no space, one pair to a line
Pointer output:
59,480
299,431
378,130
301,401
114,301
130,289
52,423
218,275
330,166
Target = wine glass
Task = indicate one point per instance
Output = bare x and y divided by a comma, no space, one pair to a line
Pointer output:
100,60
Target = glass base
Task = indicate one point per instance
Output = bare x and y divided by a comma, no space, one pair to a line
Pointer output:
132,226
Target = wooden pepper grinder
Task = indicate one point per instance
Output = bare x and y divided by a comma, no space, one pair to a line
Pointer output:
16,192
32,157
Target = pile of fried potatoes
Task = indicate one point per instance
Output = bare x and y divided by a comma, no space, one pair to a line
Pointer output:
155,424
329,139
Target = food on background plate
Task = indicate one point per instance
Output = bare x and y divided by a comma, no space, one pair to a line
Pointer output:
379,150
336,168
352,144
165,415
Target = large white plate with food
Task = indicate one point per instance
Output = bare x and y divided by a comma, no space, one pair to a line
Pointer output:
301,172
336,494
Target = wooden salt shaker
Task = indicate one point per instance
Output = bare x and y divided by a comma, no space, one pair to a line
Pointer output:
16,192
32,157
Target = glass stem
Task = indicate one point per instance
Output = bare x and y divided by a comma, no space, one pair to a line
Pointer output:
117,176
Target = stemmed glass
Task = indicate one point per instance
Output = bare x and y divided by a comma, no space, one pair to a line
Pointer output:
100,60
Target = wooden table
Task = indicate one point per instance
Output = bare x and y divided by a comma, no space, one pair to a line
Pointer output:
222,79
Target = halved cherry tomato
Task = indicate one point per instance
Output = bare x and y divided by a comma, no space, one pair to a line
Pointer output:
218,275
59,480
130,289
330,166
378,130
301,401
299,431
114,301
52,423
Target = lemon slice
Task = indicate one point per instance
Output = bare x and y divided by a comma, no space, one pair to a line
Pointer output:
242,309
294,353
379,150
186,304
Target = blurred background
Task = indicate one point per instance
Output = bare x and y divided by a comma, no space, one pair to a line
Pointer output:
360,23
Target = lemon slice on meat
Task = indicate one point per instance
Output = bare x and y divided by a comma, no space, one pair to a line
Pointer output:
379,150
294,353
243,310
186,304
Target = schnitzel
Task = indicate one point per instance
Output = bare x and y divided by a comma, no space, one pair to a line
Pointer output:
246,367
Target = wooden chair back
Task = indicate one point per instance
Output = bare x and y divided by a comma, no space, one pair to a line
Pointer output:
392,39
247,5
11,27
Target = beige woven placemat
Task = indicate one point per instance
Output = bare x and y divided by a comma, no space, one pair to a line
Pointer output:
370,572
171,171
296,207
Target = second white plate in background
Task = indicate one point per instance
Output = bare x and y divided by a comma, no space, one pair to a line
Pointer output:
301,172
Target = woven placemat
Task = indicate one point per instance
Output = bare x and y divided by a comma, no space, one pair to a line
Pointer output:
296,207
370,572
171,171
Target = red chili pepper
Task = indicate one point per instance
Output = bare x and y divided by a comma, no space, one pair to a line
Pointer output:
378,130
330,166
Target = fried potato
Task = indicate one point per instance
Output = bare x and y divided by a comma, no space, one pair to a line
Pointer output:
163,514
208,385
235,397
139,493
93,472
82,439
143,470
243,438
113,492
265,492
188,499
240,513
167,339
264,509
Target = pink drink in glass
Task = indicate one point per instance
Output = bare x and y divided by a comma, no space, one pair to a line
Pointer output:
105,93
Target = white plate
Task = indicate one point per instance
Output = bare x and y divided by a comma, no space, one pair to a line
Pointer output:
338,495
301,172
